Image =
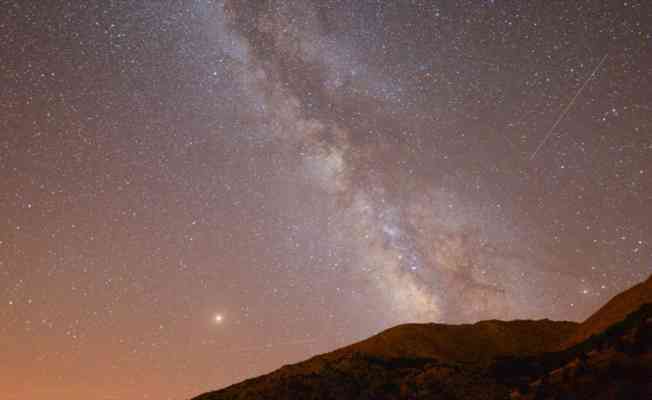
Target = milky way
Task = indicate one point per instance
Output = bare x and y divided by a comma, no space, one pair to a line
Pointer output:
428,260
197,192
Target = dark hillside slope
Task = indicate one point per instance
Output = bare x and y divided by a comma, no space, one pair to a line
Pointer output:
485,360
615,310
405,357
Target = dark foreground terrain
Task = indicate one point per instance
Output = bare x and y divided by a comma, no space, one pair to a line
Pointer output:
608,356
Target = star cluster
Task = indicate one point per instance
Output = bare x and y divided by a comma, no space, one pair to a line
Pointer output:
196,192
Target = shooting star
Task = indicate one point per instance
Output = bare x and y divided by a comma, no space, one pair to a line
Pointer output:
567,108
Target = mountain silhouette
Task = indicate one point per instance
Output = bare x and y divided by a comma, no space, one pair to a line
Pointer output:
608,356
615,310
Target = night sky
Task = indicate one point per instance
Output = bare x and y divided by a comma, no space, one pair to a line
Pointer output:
197,192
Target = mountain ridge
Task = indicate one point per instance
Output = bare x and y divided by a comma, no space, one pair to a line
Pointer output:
482,360
617,308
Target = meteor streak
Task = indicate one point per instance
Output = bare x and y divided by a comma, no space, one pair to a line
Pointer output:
567,108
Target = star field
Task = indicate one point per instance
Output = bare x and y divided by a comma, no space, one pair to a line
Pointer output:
193,193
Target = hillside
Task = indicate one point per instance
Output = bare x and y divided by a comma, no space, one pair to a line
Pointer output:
614,364
466,343
614,311
486,360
